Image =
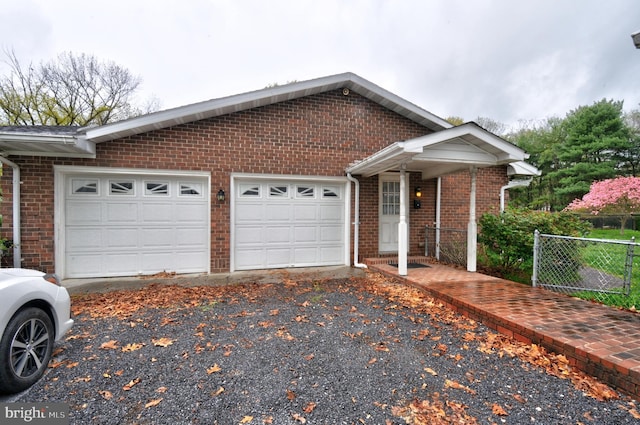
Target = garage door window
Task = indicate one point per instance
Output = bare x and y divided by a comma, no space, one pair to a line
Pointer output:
82,187
330,192
249,191
121,187
190,189
305,191
279,191
156,188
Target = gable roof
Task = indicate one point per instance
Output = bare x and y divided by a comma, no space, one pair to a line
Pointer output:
264,97
444,152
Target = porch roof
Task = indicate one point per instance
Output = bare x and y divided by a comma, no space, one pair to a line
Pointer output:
444,152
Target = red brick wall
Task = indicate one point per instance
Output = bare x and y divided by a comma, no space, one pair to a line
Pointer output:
317,135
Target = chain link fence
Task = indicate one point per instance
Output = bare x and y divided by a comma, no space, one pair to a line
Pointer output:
446,245
596,269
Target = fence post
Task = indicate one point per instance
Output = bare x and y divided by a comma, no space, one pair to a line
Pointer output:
536,241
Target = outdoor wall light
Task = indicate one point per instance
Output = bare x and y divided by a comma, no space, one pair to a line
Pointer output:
417,203
220,195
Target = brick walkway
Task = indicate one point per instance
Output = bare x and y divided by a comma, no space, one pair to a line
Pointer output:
602,341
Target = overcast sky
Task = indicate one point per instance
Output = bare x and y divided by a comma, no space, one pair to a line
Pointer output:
507,60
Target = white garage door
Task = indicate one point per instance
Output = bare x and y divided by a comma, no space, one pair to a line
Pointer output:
288,224
125,225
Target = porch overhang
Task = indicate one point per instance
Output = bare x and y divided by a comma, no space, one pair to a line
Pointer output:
441,153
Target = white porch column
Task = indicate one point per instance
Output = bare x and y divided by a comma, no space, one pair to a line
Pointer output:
472,228
402,225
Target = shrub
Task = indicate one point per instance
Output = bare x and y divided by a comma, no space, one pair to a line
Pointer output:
507,239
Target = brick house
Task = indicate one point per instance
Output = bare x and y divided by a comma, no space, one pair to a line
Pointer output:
321,172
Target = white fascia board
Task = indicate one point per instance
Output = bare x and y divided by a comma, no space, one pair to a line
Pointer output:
384,155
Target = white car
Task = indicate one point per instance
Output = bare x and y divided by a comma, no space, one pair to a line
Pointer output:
35,311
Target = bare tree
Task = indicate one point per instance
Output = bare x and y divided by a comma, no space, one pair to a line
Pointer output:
72,90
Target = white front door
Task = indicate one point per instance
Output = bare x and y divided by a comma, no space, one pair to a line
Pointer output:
389,211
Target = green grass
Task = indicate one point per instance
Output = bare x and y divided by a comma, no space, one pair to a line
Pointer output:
617,255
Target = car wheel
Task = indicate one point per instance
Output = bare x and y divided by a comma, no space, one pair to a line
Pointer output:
25,349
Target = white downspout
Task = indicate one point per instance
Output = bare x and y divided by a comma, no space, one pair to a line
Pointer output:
438,210
356,223
512,183
17,251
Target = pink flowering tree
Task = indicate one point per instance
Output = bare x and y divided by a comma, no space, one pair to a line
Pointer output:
618,196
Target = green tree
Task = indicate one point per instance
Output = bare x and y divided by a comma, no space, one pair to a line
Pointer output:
630,160
71,90
595,136
540,141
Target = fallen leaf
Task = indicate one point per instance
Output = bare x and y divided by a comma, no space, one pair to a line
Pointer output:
309,407
519,398
73,364
107,395
109,345
298,418
153,403
458,386
162,342
498,410
161,390
213,369
131,384
217,392
373,360
132,347
246,419
430,371
291,395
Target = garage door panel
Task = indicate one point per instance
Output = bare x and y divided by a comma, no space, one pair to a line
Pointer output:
156,212
276,235
87,265
84,238
117,226
305,212
190,213
189,238
304,234
157,261
250,212
331,233
84,212
121,212
158,237
121,238
330,255
249,235
278,212
305,255
331,212
278,257
120,264
250,259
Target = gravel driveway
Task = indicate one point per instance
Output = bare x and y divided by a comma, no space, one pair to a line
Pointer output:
343,351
